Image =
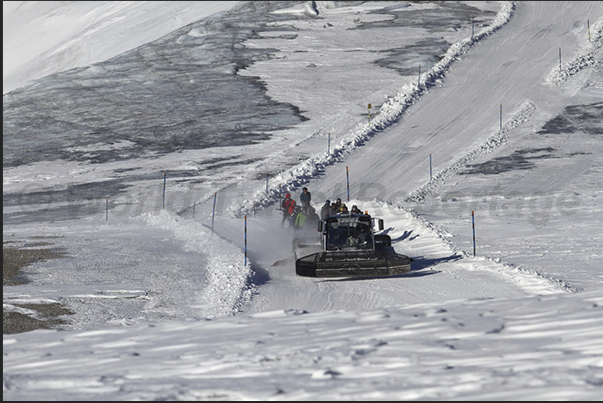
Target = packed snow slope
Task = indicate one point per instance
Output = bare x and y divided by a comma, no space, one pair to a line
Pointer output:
172,302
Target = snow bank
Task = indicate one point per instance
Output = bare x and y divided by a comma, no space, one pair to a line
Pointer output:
228,288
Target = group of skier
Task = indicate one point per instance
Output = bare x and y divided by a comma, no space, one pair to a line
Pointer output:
305,216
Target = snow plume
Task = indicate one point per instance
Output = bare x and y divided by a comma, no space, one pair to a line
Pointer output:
228,285
388,114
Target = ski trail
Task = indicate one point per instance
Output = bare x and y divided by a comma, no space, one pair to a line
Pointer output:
389,113
396,106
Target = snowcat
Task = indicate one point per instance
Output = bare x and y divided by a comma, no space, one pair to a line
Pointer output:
348,247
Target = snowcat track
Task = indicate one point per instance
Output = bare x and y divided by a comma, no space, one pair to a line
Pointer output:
352,264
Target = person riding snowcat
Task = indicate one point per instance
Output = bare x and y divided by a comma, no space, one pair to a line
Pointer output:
348,247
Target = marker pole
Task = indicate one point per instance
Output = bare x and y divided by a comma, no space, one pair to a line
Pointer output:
430,167
164,178
559,59
213,212
500,116
107,211
245,241
588,22
473,224
348,178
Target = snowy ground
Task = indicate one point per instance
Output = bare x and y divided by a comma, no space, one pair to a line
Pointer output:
237,109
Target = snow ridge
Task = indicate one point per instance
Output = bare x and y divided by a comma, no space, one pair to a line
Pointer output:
586,58
388,114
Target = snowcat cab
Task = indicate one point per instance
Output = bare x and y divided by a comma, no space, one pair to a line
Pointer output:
349,247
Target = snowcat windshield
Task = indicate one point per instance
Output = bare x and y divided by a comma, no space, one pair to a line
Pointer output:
349,232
